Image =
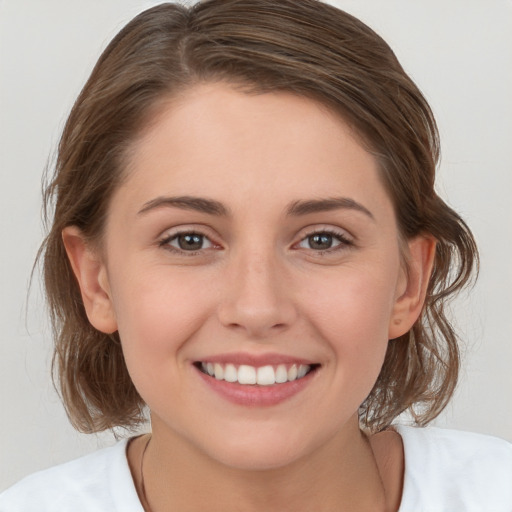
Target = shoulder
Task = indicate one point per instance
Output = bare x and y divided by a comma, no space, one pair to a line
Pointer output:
453,470
99,481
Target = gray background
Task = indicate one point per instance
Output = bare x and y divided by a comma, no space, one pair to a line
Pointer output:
460,54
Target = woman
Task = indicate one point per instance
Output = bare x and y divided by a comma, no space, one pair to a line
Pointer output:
247,241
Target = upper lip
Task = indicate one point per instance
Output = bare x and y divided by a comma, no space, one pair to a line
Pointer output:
256,360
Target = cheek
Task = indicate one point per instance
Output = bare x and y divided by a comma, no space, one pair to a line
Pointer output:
157,313
351,314
354,302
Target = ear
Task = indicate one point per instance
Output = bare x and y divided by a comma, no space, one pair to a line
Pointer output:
91,274
413,284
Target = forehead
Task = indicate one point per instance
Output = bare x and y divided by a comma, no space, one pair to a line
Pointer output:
216,141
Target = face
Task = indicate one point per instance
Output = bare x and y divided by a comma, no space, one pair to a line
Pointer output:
251,265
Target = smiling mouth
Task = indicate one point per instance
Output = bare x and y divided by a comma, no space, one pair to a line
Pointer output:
268,375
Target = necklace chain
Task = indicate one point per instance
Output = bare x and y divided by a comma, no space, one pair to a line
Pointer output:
142,484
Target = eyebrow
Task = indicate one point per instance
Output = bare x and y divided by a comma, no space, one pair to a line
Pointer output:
296,208
198,204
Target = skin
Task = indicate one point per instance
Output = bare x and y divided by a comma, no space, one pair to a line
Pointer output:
256,286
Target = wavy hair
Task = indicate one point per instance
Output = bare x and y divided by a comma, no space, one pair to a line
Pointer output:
304,47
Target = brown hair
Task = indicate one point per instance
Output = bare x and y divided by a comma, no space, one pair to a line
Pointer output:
301,46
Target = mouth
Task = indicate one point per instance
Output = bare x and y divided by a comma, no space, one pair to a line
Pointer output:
247,375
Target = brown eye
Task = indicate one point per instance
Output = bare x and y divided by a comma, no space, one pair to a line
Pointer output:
189,242
324,241
320,241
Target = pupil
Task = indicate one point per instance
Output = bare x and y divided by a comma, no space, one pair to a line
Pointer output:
190,242
320,241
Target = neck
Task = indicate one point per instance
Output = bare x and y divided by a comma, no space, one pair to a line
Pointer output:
341,475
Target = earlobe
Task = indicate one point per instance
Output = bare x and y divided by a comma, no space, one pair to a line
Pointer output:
92,278
410,300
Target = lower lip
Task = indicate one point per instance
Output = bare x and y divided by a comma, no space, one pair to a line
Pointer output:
254,395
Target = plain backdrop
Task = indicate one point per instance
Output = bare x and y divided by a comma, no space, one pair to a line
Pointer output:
460,54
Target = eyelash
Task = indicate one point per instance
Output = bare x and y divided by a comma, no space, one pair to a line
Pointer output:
165,242
344,242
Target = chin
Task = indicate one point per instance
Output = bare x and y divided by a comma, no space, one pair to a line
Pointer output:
260,452
257,459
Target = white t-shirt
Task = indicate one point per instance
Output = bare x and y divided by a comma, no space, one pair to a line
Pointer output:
445,471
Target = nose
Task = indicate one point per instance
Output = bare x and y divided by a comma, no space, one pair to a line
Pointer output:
258,298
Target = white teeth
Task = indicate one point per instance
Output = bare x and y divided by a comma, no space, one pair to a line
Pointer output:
246,374
263,375
292,373
281,374
230,373
301,372
219,371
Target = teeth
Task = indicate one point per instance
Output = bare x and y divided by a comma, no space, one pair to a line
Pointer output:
281,374
266,376
246,374
219,371
230,373
301,372
249,375
292,373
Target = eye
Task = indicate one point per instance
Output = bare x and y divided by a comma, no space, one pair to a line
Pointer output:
324,241
187,241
